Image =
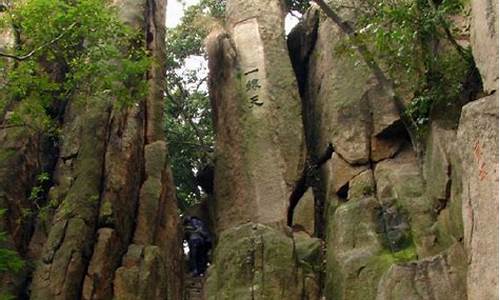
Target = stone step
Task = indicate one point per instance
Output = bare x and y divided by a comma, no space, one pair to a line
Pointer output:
193,287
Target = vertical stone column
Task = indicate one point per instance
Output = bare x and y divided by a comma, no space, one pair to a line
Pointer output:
116,231
484,41
478,143
260,138
260,151
152,266
478,148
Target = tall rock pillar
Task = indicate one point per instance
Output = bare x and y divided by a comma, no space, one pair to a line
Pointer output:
478,146
116,233
259,156
260,139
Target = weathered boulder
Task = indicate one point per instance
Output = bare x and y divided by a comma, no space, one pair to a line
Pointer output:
356,255
440,277
442,172
308,251
484,41
354,260
335,98
155,155
113,187
342,172
399,182
478,144
64,259
304,212
255,261
361,185
142,275
258,122
99,277
345,105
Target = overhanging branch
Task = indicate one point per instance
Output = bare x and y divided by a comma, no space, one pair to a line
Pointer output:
44,45
368,57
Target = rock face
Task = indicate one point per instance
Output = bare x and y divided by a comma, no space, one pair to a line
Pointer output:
112,228
260,139
304,213
484,40
376,221
344,105
478,138
397,226
70,240
260,153
24,154
438,277
390,217
255,261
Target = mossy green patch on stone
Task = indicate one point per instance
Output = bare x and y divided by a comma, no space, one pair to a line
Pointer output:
254,261
404,255
308,251
106,212
6,155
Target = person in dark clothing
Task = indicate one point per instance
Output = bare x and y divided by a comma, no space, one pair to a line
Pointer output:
199,243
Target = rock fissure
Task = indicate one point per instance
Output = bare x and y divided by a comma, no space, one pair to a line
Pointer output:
307,179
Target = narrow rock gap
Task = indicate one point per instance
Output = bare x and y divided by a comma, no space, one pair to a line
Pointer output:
306,180
142,172
444,202
343,192
95,223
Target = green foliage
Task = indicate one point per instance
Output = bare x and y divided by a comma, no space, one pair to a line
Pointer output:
186,39
9,259
409,40
82,47
6,296
188,121
38,190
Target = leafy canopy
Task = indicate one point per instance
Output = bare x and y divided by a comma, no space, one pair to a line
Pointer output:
415,43
63,50
81,46
188,120
9,259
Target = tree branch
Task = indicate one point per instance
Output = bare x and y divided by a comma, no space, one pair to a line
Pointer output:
203,80
186,117
449,36
32,52
368,57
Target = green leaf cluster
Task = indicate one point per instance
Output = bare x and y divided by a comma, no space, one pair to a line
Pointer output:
69,47
415,43
10,261
186,39
188,120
